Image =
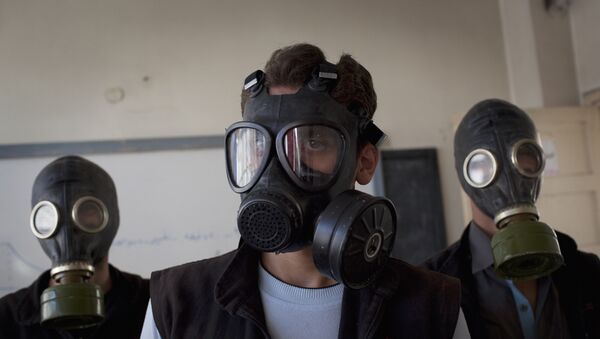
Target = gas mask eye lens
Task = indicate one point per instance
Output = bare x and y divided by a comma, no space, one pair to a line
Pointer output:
44,219
527,157
313,153
247,151
90,214
480,168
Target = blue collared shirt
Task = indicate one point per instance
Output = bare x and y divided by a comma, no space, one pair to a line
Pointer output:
503,307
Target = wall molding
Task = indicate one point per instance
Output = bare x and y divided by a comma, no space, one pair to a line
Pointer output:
16,151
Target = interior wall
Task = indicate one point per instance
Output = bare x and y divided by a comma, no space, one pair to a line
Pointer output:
554,45
76,70
585,26
539,54
523,71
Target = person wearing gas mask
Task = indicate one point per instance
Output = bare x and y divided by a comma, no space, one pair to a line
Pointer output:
520,278
75,216
313,260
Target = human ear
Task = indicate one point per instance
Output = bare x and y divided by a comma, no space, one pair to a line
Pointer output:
368,157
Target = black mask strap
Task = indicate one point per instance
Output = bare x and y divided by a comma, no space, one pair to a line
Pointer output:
254,83
373,133
366,126
324,78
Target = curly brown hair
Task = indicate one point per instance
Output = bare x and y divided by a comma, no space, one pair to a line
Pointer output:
293,66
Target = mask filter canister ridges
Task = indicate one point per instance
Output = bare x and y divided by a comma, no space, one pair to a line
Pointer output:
354,237
72,306
526,249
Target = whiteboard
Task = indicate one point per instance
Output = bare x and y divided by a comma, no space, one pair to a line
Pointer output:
175,207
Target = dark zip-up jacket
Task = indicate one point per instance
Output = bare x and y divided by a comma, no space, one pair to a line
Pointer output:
577,283
219,298
125,307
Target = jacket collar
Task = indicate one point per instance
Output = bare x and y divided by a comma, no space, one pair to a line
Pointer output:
462,267
362,310
28,312
481,249
237,291
569,282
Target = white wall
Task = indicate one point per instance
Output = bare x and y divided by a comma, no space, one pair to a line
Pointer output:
585,25
555,57
525,82
181,64
539,55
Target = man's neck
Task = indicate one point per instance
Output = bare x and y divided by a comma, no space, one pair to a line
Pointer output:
483,221
102,276
529,290
295,268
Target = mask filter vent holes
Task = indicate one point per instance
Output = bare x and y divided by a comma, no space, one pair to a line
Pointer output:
265,225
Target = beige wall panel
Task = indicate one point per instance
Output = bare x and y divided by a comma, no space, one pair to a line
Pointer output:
566,209
569,152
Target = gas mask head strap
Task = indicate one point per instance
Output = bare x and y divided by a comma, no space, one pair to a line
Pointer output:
367,127
324,78
254,83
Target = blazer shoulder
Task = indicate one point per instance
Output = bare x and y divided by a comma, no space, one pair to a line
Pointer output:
421,280
444,260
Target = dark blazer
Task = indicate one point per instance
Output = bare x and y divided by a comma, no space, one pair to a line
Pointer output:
577,282
219,298
125,308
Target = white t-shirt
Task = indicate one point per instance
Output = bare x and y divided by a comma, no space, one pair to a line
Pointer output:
293,312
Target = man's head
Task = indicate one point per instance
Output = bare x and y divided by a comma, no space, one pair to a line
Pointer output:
291,67
75,216
497,157
499,163
75,212
306,138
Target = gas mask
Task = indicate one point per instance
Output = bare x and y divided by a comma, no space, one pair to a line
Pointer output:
293,160
75,217
500,162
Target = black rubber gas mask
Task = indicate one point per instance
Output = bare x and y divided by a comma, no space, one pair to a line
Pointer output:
293,160
500,162
75,217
